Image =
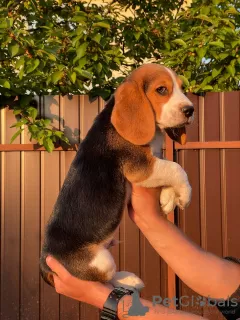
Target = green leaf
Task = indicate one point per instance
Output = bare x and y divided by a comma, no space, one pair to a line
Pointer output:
32,113
31,67
118,62
82,62
208,87
33,128
167,45
231,70
56,76
232,10
97,38
75,40
16,135
184,80
205,10
59,134
65,139
95,57
201,52
235,43
73,77
13,50
48,144
99,67
20,63
205,18
81,50
137,35
216,72
180,42
47,122
5,83
217,44
84,73
3,24
17,111
102,25
223,55
21,74
80,18
20,123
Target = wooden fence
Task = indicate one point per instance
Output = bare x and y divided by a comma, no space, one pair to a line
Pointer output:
31,178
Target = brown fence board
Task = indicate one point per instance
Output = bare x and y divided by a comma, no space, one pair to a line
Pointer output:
233,202
190,220
10,237
213,202
192,130
212,116
30,235
88,112
150,269
49,191
232,115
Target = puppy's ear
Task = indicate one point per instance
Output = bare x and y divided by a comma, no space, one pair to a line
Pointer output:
132,114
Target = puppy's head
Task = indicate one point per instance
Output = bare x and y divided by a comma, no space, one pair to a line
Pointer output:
151,96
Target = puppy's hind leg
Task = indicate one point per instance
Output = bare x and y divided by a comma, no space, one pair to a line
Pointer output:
102,266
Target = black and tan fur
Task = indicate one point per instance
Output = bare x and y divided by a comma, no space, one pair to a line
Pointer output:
115,152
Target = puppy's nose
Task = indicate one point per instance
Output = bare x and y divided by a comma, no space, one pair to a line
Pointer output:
188,111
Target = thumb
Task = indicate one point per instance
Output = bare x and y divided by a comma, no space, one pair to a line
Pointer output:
57,268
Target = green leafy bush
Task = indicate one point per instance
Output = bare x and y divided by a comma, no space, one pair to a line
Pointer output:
78,47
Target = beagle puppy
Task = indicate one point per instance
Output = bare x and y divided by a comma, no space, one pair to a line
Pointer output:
122,147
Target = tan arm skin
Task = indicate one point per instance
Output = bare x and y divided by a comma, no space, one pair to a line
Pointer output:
96,294
202,271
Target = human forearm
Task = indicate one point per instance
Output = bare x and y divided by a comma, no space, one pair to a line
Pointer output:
98,298
202,271
157,312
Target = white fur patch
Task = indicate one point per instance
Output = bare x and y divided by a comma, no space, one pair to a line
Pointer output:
127,280
104,262
172,115
170,174
168,199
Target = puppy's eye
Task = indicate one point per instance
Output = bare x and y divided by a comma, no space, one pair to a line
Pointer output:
163,91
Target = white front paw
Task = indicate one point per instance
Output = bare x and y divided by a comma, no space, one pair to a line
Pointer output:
127,280
167,199
171,197
184,193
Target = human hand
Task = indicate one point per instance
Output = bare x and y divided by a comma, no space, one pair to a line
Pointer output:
91,292
145,205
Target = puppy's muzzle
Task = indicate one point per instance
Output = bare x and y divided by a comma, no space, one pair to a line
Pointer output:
188,111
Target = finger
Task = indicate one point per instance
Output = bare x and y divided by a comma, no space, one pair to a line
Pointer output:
56,267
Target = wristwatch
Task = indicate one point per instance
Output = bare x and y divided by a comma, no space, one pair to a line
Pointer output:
109,311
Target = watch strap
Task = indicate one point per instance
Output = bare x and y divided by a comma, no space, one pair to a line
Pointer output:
109,311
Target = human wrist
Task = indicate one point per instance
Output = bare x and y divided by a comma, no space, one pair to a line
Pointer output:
98,296
150,220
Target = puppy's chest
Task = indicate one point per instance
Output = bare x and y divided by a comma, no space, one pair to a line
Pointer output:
157,144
